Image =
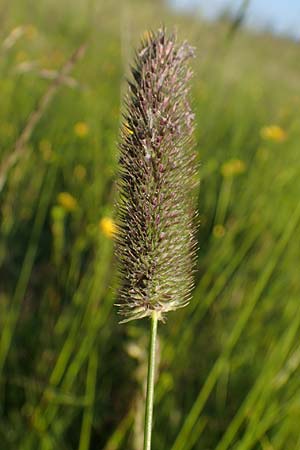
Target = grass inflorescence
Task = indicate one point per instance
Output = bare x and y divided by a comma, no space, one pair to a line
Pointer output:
155,240
71,376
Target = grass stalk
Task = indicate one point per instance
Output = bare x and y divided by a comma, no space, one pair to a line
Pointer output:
85,435
150,383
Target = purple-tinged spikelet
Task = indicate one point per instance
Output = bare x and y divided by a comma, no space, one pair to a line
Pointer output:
155,241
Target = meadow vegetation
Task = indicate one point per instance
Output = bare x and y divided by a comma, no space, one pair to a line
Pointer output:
71,376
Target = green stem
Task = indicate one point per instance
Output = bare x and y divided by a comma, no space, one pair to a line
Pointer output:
150,383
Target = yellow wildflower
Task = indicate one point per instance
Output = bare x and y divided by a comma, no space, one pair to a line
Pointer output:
219,231
67,201
108,227
80,172
273,133
81,129
233,167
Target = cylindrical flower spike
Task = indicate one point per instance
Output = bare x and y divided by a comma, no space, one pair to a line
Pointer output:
155,239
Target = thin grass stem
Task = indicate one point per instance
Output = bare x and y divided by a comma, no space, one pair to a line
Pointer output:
150,383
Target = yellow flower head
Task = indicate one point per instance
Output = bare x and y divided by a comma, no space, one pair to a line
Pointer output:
67,201
233,167
218,231
108,227
81,129
273,133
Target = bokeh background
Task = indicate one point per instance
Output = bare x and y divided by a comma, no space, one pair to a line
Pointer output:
71,377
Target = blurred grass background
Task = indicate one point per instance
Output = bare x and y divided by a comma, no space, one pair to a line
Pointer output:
71,377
